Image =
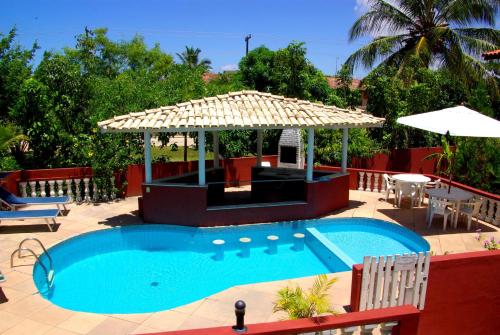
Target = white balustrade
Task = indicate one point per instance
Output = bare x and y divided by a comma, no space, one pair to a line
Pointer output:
22,187
52,192
69,189
368,182
42,184
367,329
86,190
60,191
361,181
33,188
95,195
376,177
78,194
384,329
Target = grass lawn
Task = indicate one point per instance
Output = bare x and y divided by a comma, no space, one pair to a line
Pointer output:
178,155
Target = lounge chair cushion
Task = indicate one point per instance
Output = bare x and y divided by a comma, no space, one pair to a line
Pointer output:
29,214
13,200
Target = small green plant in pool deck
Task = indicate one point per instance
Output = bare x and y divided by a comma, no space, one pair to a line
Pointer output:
298,303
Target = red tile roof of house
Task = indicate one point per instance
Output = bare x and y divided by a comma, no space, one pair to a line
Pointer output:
495,54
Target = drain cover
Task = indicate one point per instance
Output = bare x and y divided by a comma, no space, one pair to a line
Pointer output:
154,283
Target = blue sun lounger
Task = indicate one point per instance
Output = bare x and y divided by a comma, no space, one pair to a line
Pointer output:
47,214
12,201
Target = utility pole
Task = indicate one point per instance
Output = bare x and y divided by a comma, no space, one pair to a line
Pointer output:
247,39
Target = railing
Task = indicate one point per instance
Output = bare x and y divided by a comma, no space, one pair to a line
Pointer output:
373,181
401,320
77,189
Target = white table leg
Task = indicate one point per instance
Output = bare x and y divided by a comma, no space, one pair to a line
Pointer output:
457,210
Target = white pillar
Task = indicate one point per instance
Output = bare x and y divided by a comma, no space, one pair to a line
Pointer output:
201,157
147,155
259,146
310,154
345,138
216,149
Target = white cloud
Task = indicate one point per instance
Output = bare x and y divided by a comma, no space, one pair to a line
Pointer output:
361,6
229,67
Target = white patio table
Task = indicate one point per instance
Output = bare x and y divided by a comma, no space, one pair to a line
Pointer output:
413,178
456,195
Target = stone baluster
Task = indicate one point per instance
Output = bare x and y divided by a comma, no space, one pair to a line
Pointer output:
23,185
368,329
95,195
86,190
368,181
383,186
33,188
43,184
491,211
78,194
60,191
386,328
348,330
496,222
376,177
52,192
69,190
113,194
484,209
361,181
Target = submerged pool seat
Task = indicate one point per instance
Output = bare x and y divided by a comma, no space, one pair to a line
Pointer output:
47,214
13,202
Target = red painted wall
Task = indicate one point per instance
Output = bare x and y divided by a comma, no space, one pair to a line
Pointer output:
463,294
188,205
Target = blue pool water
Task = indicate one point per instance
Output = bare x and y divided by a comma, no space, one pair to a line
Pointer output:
149,268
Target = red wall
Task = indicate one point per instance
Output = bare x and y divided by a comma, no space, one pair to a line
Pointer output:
188,205
463,294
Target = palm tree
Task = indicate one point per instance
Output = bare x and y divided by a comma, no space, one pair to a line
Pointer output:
9,136
190,57
441,33
299,304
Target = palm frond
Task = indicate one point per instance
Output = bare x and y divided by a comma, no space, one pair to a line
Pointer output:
476,47
466,12
486,34
382,16
378,49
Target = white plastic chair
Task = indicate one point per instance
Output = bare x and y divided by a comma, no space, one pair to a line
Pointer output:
404,189
471,209
439,207
390,186
429,185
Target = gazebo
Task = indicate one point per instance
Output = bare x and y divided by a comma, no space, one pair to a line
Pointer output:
276,194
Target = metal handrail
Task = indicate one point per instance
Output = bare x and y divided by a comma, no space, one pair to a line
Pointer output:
49,273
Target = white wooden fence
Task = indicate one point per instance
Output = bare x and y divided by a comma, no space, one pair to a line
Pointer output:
383,329
394,281
374,182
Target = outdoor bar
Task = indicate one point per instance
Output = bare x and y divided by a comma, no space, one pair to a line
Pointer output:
276,194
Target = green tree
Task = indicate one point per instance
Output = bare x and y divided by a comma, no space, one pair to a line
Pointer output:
15,68
191,58
452,34
299,304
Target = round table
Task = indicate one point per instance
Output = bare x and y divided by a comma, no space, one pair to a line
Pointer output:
413,178
456,195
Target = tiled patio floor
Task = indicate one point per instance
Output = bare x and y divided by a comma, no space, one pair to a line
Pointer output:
26,313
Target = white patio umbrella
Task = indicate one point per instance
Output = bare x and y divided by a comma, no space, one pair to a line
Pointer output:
454,121
457,121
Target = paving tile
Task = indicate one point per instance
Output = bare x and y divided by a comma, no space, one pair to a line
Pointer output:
28,327
52,315
8,320
82,323
194,322
59,331
27,305
168,320
136,318
112,326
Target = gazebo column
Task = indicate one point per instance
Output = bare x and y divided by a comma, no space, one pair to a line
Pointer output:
147,155
345,138
260,136
201,157
310,154
216,149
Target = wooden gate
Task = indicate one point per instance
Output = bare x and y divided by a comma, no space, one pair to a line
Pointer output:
394,281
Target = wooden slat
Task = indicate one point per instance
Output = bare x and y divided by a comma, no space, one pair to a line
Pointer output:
378,285
418,279
373,271
365,282
394,284
425,280
387,281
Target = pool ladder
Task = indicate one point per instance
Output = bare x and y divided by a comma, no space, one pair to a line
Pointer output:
49,273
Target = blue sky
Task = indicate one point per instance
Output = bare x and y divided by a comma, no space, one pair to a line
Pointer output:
216,27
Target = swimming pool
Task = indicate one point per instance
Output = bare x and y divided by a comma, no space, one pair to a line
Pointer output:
148,268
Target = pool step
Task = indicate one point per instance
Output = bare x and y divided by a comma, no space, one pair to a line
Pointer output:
320,240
